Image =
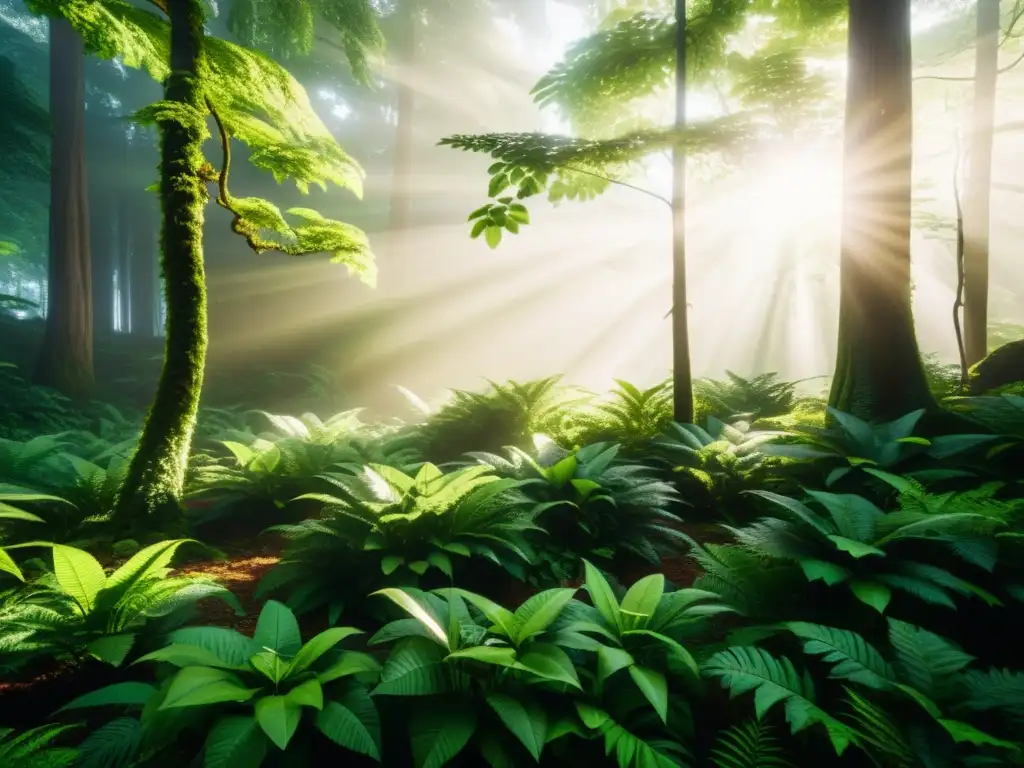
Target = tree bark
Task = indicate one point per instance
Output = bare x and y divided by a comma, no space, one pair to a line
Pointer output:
143,267
682,377
66,357
879,374
978,189
104,261
401,179
156,476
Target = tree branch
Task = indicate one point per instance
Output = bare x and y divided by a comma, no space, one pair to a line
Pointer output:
626,184
1000,71
958,303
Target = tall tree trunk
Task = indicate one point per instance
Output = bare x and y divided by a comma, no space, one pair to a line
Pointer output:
104,261
978,190
156,476
124,262
682,377
401,179
879,374
66,360
143,267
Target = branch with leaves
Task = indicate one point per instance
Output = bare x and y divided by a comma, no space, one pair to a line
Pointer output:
568,168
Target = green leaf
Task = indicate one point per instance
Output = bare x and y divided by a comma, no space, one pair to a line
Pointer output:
676,650
872,594
857,549
112,745
526,720
493,236
438,734
148,563
500,655
352,722
442,562
822,570
551,663
79,575
653,686
351,663
965,733
407,603
602,596
7,565
235,742
419,567
416,667
854,658
610,660
181,655
279,718
502,618
539,612
111,648
231,647
390,563
196,686
318,646
307,694
643,597
278,630
119,694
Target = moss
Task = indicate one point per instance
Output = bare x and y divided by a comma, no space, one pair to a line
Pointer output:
1002,367
155,480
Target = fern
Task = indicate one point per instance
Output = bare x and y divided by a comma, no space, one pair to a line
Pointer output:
749,745
34,748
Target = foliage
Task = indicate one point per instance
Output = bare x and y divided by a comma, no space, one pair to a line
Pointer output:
77,609
383,526
276,683
592,506
34,748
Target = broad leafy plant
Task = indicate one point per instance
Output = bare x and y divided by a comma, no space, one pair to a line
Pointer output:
845,539
384,527
251,696
78,609
592,506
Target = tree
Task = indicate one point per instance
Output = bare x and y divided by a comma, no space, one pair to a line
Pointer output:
682,375
600,85
978,189
879,374
251,99
65,358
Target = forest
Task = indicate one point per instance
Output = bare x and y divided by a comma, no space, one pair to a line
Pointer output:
627,383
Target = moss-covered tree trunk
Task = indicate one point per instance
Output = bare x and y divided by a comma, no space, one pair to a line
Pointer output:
879,374
154,483
978,190
682,376
66,358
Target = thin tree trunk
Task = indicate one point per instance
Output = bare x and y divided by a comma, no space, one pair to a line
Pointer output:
66,358
879,374
143,267
682,377
401,180
156,476
978,189
104,260
124,263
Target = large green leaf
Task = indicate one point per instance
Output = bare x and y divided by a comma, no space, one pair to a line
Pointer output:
181,655
79,575
318,646
277,630
526,720
438,734
121,694
148,563
279,718
550,663
416,667
231,647
7,565
653,686
641,600
502,618
352,722
308,693
854,658
602,597
539,612
113,649
235,742
351,663
196,686
406,602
